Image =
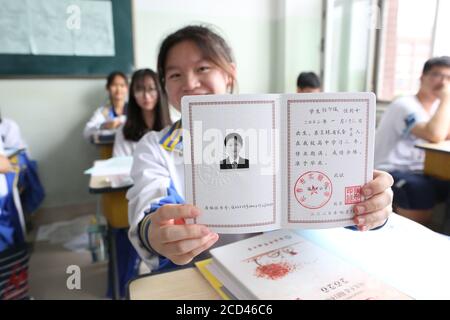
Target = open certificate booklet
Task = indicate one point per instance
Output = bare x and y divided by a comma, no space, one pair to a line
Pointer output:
262,162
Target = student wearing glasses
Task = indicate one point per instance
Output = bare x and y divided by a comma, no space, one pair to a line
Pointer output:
146,111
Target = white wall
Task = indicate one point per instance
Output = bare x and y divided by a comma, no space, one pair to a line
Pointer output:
246,25
52,113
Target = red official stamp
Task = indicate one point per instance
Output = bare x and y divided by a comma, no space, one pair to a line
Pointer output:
352,194
313,189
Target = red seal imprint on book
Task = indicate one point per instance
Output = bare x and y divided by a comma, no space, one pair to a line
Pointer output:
352,194
274,271
313,189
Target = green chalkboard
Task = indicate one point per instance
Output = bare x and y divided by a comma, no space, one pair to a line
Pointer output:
26,65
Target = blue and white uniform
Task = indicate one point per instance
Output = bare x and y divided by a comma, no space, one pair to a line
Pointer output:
10,134
394,143
158,177
100,116
12,223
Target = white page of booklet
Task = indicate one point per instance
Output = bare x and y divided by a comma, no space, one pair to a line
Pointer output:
344,126
246,199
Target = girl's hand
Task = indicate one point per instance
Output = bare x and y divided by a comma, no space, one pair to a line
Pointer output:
112,124
172,238
5,165
374,211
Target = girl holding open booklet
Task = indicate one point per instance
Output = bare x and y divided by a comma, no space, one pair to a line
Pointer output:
197,61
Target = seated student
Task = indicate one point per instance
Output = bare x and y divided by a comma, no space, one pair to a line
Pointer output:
10,209
195,61
110,116
308,82
32,192
146,111
410,120
10,134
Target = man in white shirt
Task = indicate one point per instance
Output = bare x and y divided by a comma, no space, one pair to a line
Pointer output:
410,120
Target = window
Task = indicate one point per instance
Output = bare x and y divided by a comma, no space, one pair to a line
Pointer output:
412,32
348,44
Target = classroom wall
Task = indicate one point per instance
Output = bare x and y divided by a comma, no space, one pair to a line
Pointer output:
246,25
272,39
51,115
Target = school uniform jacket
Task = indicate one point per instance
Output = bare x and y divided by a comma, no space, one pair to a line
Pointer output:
100,116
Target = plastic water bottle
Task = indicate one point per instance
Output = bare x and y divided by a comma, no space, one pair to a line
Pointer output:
96,241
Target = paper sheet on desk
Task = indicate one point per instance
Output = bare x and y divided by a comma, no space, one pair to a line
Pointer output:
111,167
403,253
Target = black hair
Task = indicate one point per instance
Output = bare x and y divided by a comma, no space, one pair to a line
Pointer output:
135,126
113,75
443,61
308,80
234,136
213,47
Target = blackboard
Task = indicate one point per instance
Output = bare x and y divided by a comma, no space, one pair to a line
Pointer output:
25,65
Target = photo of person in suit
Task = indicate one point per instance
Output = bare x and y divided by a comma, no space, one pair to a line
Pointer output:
233,145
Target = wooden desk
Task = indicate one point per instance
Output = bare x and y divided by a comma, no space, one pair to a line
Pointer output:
104,143
437,159
185,284
403,254
114,201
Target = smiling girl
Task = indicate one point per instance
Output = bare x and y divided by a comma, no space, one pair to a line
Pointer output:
196,61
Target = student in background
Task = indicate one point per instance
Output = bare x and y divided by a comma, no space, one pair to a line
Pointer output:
408,121
32,192
10,134
110,116
308,82
5,167
195,60
146,111
11,215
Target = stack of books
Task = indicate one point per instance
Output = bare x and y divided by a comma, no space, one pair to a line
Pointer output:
284,265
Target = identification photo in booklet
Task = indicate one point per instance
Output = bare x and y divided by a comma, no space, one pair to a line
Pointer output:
263,162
